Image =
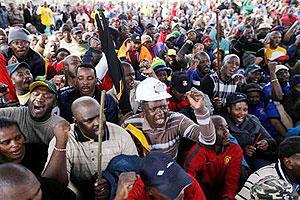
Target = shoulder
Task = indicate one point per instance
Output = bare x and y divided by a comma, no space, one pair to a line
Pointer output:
136,120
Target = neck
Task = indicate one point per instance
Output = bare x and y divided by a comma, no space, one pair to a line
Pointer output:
223,76
218,148
42,119
273,46
289,175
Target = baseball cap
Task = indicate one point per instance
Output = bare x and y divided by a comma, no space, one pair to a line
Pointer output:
289,147
295,80
18,34
46,83
191,30
136,38
160,171
149,26
264,26
236,98
279,56
205,38
252,87
169,36
180,82
280,67
14,67
252,68
76,30
151,89
248,59
160,65
171,52
271,187
145,38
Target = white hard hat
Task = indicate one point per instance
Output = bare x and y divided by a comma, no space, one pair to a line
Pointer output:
151,89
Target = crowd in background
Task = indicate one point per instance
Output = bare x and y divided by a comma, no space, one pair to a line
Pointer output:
202,100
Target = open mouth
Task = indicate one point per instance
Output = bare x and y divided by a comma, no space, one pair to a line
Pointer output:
27,82
85,88
38,108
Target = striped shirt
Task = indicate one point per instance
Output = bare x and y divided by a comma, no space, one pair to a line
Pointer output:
166,139
213,86
274,169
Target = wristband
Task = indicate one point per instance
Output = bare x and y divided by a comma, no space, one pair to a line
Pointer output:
60,150
274,80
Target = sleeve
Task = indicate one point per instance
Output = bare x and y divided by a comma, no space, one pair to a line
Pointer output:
7,112
138,191
244,194
232,175
50,151
265,135
204,132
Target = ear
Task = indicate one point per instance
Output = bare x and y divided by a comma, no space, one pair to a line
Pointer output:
288,163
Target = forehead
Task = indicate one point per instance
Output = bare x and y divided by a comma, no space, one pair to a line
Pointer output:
152,104
42,89
88,111
232,59
85,71
22,69
240,104
219,121
9,132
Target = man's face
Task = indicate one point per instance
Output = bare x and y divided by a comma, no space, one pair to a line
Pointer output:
160,196
162,76
275,39
12,146
96,44
254,77
249,34
20,48
171,43
222,131
231,66
78,37
53,47
136,46
204,65
155,113
294,167
253,98
207,44
70,70
177,95
41,103
61,55
129,77
151,31
238,112
148,45
86,81
3,39
67,35
192,36
22,78
88,120
283,76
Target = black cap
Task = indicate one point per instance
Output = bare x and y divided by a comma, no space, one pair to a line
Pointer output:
289,147
252,87
149,26
65,28
180,82
76,30
236,98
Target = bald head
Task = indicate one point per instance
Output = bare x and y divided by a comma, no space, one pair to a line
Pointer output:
83,105
217,120
17,182
229,58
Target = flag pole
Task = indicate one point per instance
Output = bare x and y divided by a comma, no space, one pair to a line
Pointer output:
101,132
218,48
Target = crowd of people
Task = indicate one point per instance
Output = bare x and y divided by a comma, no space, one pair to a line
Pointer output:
202,100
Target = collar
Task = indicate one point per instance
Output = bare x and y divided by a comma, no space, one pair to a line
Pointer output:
80,137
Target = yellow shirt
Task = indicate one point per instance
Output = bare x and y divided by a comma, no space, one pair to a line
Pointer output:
269,52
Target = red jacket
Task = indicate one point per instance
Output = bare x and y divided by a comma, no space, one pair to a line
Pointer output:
176,106
192,192
5,78
221,172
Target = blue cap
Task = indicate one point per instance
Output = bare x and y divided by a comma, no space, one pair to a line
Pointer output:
14,67
160,171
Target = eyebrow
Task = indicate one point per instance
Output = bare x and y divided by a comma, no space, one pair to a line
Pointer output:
86,119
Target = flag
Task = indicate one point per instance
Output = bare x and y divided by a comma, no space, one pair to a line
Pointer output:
114,64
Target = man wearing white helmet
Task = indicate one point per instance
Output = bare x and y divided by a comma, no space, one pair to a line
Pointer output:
156,128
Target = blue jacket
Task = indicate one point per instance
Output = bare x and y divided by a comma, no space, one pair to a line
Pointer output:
68,96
